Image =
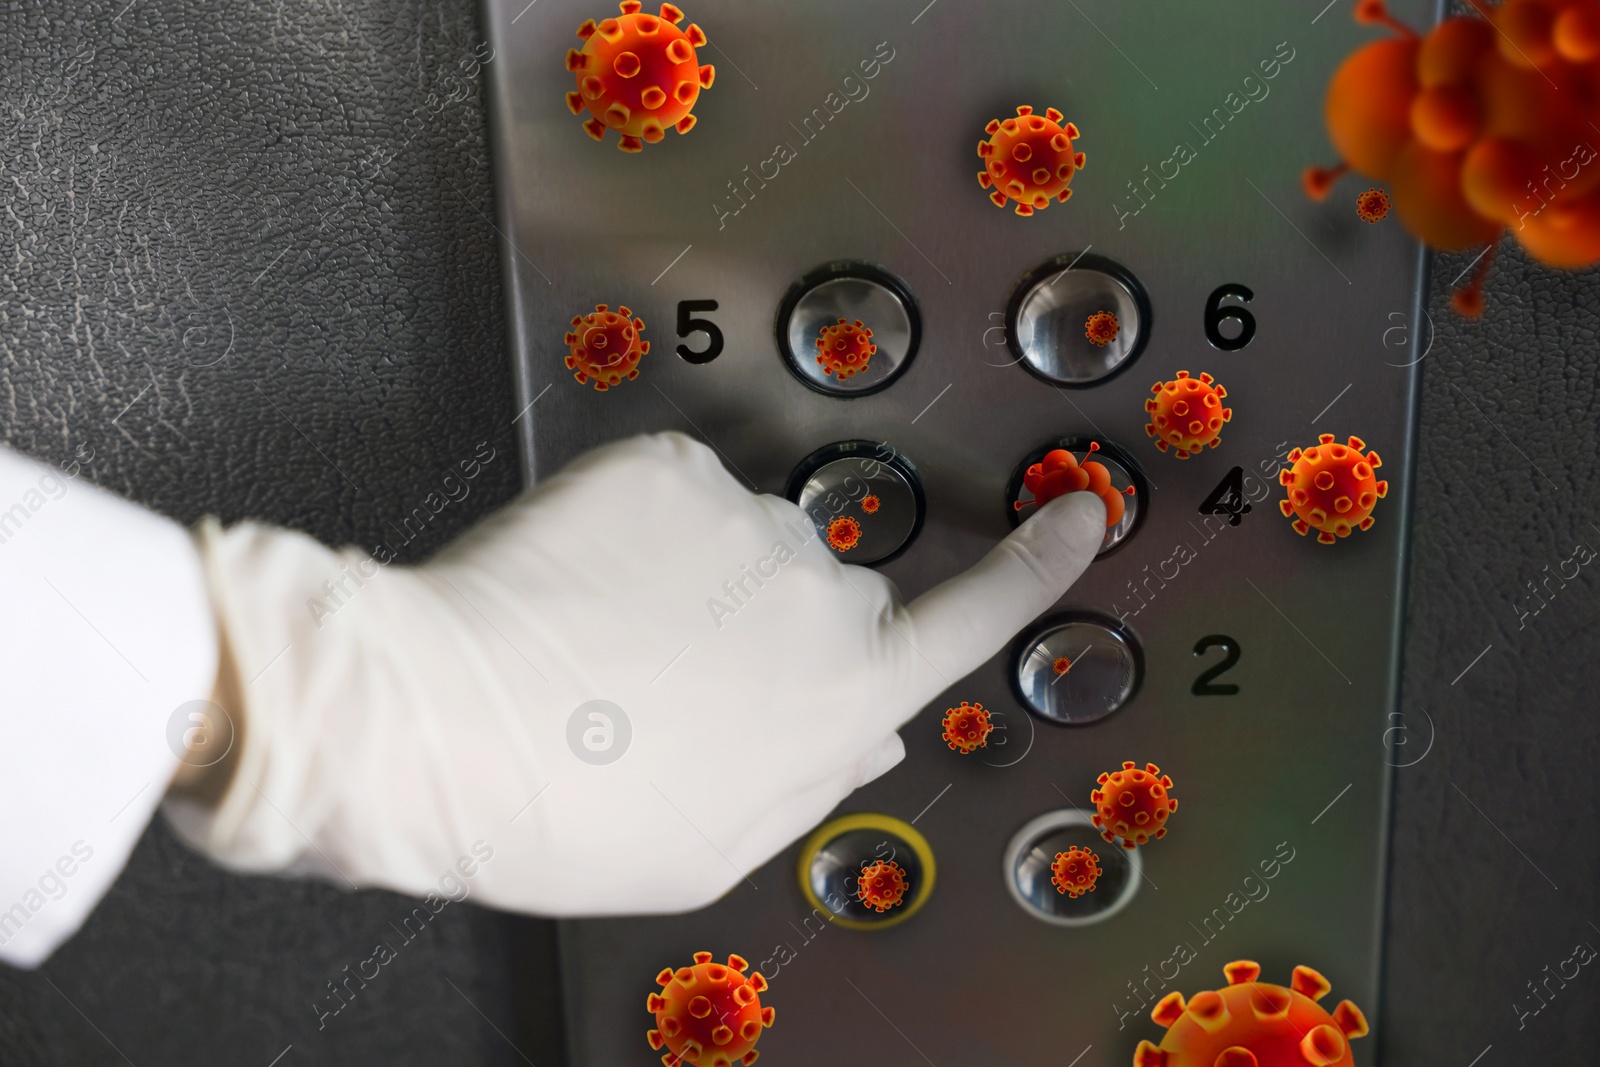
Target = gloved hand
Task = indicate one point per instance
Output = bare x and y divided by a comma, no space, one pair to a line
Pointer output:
436,707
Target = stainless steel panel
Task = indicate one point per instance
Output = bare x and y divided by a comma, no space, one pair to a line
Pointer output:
1286,776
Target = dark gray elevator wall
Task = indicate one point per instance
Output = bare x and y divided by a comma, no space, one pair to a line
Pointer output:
247,255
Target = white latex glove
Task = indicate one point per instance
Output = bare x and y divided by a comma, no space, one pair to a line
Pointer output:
433,707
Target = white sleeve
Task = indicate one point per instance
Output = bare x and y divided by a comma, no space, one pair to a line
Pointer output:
106,631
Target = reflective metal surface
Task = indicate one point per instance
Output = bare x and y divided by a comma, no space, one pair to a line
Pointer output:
1076,670
867,488
883,171
1031,851
1052,306
855,293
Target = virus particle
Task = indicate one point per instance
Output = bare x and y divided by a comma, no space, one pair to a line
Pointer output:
1134,804
1373,205
1101,329
1186,414
1482,124
638,75
870,503
1061,665
605,345
881,886
1059,473
844,533
709,1015
1254,1024
844,349
1029,159
967,727
1075,871
1332,488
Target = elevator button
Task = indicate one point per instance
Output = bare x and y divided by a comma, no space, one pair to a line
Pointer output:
1076,668
863,497
1031,851
835,858
1057,323
851,308
1125,474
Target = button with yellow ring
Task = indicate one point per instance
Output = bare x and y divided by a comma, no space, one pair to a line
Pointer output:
867,870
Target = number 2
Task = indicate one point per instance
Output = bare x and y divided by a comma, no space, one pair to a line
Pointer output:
688,324
1205,686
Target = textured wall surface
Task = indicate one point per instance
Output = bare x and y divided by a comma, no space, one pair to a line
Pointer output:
247,258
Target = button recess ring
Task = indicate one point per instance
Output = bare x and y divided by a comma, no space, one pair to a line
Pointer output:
1076,668
834,858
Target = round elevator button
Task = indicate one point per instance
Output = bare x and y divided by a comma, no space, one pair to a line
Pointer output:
867,870
848,329
1027,870
1125,474
863,497
1077,320
1076,668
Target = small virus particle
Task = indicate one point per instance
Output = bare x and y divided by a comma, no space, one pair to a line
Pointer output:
605,345
881,886
1249,1023
709,1015
870,504
1101,329
1186,414
638,75
1029,159
1332,488
1059,473
1373,205
1061,665
844,349
1075,871
844,533
1134,804
967,727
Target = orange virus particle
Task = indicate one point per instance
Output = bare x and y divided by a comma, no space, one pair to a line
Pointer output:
870,504
1373,205
844,533
844,349
1075,871
1133,804
967,727
1101,329
1332,488
1061,665
1186,414
605,345
638,75
1254,1024
1029,159
1059,473
1486,122
710,1014
881,886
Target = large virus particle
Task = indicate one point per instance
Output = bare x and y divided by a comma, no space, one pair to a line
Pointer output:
870,503
605,345
1075,871
638,74
1029,159
1132,804
1254,1024
844,533
709,1015
1186,414
881,886
1484,123
1060,473
1101,328
1332,488
1372,205
844,349
967,727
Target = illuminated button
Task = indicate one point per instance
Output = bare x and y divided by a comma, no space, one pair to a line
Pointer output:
1027,871
863,497
891,852
1125,474
865,298
1076,668
1048,319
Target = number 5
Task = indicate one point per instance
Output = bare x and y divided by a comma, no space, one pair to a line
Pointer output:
687,325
